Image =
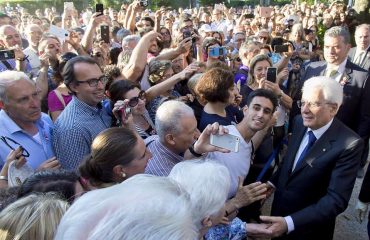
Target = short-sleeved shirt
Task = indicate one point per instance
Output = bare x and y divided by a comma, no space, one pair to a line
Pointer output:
40,148
238,163
75,129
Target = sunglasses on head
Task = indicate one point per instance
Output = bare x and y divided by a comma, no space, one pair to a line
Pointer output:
135,100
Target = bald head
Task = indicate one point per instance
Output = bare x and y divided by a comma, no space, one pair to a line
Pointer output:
9,37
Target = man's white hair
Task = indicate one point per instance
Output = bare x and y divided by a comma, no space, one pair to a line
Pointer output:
8,78
331,89
168,117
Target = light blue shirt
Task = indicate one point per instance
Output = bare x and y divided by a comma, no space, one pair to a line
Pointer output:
39,151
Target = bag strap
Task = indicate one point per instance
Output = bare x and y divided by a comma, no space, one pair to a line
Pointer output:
7,65
60,97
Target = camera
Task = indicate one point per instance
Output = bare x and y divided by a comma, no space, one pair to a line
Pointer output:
144,3
217,52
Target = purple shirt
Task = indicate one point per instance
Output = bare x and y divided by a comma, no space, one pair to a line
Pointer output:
55,104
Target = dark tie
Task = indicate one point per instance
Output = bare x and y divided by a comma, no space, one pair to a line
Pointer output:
311,141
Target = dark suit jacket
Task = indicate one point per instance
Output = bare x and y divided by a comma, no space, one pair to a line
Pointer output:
365,64
320,186
355,110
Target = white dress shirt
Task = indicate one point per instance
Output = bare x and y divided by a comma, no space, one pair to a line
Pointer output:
318,133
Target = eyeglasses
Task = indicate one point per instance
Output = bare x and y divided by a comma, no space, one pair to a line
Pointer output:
135,100
311,105
93,82
13,145
238,59
165,33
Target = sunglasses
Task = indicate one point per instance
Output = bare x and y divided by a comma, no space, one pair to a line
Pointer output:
135,100
13,145
238,59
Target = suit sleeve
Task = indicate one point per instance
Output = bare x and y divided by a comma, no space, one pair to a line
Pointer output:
338,193
364,126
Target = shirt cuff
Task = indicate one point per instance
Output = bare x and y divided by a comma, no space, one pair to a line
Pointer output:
290,223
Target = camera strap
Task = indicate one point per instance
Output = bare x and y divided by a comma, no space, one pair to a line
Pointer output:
7,65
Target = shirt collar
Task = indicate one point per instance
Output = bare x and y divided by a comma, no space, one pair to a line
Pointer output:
319,132
341,68
86,107
12,126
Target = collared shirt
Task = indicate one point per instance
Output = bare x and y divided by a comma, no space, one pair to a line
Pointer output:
75,129
12,63
163,159
340,69
40,149
318,133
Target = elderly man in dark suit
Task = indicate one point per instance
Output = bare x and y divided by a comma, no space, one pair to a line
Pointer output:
360,54
355,110
315,181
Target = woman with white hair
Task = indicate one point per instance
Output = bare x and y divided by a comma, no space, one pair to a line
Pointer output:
143,207
208,185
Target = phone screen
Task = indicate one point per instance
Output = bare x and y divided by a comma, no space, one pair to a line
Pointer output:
104,33
7,54
271,74
99,8
226,141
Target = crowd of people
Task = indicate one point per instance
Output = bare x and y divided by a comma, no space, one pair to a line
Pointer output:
117,123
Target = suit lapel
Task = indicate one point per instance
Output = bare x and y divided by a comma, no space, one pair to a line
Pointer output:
318,150
295,142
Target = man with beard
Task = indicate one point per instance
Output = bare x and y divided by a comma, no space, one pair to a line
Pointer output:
22,124
83,118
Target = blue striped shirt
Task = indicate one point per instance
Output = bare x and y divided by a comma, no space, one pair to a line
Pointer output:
75,129
163,159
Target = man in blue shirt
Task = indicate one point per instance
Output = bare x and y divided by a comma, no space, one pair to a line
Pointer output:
83,118
10,39
22,123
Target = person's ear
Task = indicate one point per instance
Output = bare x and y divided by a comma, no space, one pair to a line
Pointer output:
2,44
118,172
333,109
207,222
170,139
73,87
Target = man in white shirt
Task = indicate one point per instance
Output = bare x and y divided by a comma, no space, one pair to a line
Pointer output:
34,34
315,181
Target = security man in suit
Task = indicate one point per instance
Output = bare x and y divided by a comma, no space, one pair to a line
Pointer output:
315,181
360,54
355,110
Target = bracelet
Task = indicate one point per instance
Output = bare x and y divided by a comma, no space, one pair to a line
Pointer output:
3,178
191,149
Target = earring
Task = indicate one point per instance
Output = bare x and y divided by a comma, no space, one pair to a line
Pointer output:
123,175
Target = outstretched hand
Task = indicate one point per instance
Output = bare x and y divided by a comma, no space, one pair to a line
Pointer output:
202,145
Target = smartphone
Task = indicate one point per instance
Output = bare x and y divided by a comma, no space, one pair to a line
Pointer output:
265,12
143,3
281,48
104,33
271,74
217,52
7,54
99,7
186,34
68,5
125,112
249,15
226,141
